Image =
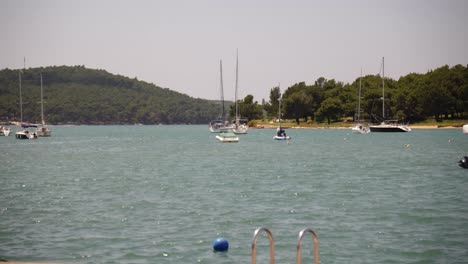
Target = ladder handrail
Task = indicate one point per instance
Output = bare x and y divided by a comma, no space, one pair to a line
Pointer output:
299,245
254,245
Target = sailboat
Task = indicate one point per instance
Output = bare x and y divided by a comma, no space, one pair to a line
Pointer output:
388,125
220,125
280,132
4,131
239,128
42,130
359,128
24,133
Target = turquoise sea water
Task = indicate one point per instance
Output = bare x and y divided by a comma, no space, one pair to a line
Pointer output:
163,194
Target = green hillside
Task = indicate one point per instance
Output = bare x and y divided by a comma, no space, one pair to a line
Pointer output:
77,95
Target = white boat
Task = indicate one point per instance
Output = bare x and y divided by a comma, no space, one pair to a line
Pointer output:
42,130
280,132
227,137
24,133
388,125
239,128
358,127
4,131
465,129
220,125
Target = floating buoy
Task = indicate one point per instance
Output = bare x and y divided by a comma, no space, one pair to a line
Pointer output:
220,244
408,145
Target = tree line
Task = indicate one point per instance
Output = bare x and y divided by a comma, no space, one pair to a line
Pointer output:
440,94
78,95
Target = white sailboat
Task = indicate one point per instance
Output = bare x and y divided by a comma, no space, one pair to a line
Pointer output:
280,132
239,128
42,130
220,125
24,133
4,131
388,125
360,128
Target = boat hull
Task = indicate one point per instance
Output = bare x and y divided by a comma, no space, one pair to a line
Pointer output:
227,137
387,129
463,162
240,129
25,135
282,137
390,126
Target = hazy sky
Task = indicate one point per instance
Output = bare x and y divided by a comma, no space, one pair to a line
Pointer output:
178,44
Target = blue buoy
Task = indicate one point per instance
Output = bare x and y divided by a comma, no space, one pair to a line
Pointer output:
220,244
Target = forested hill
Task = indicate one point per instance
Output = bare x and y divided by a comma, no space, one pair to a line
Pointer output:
77,95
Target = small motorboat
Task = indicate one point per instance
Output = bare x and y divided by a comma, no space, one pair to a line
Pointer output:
463,162
228,137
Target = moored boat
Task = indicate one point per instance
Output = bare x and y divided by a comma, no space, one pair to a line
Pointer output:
388,125
358,127
220,125
239,127
4,131
280,132
25,133
227,137
42,130
463,162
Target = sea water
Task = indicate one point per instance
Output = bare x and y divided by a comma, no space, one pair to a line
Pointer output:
163,194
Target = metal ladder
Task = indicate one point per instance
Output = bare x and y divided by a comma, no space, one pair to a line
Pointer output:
298,247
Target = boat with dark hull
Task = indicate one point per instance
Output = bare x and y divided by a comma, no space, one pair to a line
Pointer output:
387,125
463,162
390,126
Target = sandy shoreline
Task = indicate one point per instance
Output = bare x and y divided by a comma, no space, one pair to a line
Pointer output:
344,128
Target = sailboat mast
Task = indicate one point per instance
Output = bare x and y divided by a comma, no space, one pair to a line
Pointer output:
383,88
279,109
222,91
42,104
359,99
237,79
21,99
